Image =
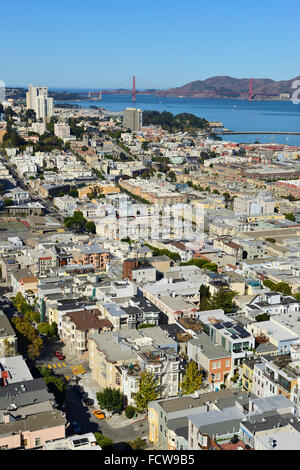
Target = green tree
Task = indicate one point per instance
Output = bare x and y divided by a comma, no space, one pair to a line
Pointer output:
44,328
103,441
73,192
204,298
148,390
223,299
53,329
263,317
8,202
77,222
90,227
281,287
130,411
57,386
210,267
290,217
45,372
111,399
192,380
145,145
172,176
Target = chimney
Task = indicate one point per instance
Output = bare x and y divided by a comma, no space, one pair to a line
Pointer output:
4,376
7,418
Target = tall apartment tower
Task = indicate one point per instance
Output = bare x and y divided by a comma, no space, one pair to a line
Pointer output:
37,99
132,119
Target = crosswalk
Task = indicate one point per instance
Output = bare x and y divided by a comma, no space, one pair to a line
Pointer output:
56,366
78,370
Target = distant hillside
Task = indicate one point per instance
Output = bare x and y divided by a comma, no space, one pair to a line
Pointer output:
228,87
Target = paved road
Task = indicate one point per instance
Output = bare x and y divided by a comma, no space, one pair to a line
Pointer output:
116,428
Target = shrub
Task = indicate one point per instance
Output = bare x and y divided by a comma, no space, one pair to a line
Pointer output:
103,441
130,411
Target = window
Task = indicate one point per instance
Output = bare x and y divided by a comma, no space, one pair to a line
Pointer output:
37,442
218,376
227,362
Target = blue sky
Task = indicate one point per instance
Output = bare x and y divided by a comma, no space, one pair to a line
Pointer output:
97,43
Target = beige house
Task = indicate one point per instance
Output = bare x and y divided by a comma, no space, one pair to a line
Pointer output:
76,328
8,338
108,352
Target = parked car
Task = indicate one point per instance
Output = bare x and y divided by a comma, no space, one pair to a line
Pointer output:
76,428
88,401
99,414
59,355
77,389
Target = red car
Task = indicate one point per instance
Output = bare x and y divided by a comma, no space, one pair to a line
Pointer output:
59,355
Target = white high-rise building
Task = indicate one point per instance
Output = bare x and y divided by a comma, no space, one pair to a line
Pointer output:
37,99
62,130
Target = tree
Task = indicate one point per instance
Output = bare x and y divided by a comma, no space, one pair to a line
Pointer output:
148,390
271,240
73,192
103,441
45,372
77,222
111,399
204,298
57,386
90,227
53,329
28,339
44,328
8,202
145,145
290,217
9,348
192,380
281,287
284,288
211,267
130,411
172,176
263,317
223,299
138,444
34,349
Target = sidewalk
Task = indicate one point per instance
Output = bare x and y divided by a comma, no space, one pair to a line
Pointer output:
118,421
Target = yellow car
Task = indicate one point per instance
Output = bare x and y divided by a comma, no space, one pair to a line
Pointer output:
99,414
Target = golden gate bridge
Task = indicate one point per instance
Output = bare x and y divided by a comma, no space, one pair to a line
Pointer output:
156,89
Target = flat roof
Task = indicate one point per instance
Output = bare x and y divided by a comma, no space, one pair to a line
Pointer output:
209,348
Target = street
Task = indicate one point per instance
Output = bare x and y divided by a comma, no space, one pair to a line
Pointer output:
118,428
